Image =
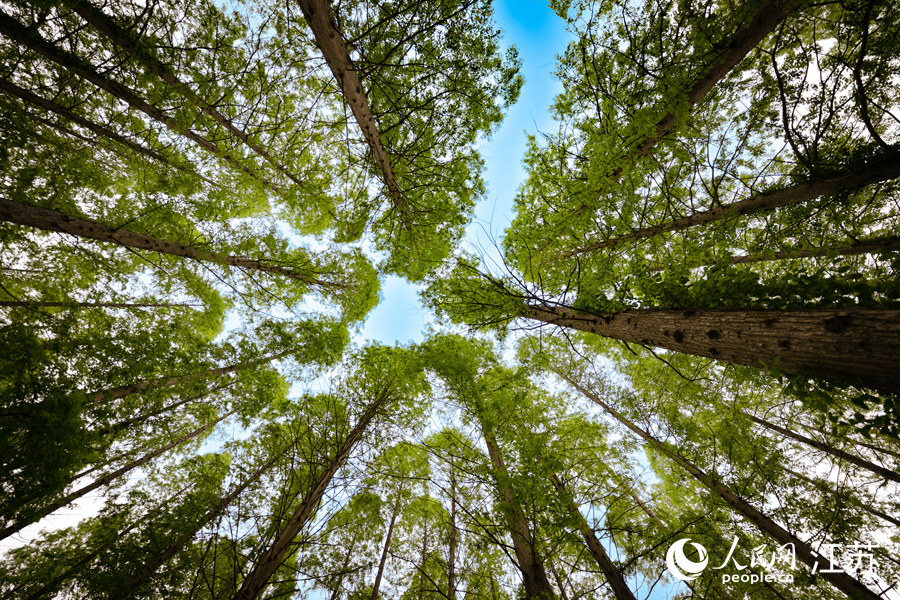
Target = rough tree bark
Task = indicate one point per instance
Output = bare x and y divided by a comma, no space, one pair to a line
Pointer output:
855,346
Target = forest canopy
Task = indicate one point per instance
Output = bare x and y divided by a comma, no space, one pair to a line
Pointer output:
689,343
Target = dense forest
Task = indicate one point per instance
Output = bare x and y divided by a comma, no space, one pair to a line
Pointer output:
691,344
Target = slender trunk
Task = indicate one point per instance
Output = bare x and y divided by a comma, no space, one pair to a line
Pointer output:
337,588
766,18
42,304
387,546
613,576
30,38
54,220
321,21
859,462
14,90
856,346
129,422
533,574
866,247
826,487
105,480
172,548
843,581
257,579
451,560
140,387
878,170
122,38
559,581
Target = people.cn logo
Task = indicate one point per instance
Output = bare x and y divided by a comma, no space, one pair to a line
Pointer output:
680,565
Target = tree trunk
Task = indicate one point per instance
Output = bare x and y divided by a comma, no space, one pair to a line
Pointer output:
533,574
105,480
766,18
613,576
877,170
321,21
140,387
122,38
54,220
855,346
859,462
826,487
866,247
843,581
257,579
170,550
559,581
451,560
30,38
14,90
387,545
42,304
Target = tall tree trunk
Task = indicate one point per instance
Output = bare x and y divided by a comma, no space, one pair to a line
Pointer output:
54,220
387,546
14,90
320,18
842,581
764,21
859,462
105,480
866,247
140,387
826,487
451,559
613,576
172,548
122,38
877,170
257,579
533,574
31,39
857,346
42,304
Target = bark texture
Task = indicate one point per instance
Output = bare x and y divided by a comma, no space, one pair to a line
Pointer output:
533,574
321,21
855,346
54,220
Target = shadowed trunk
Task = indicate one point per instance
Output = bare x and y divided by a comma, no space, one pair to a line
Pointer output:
387,546
876,171
122,38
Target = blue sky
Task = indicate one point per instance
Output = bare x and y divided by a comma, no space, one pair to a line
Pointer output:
539,35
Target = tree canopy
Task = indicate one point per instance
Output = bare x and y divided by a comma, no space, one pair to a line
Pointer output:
692,334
